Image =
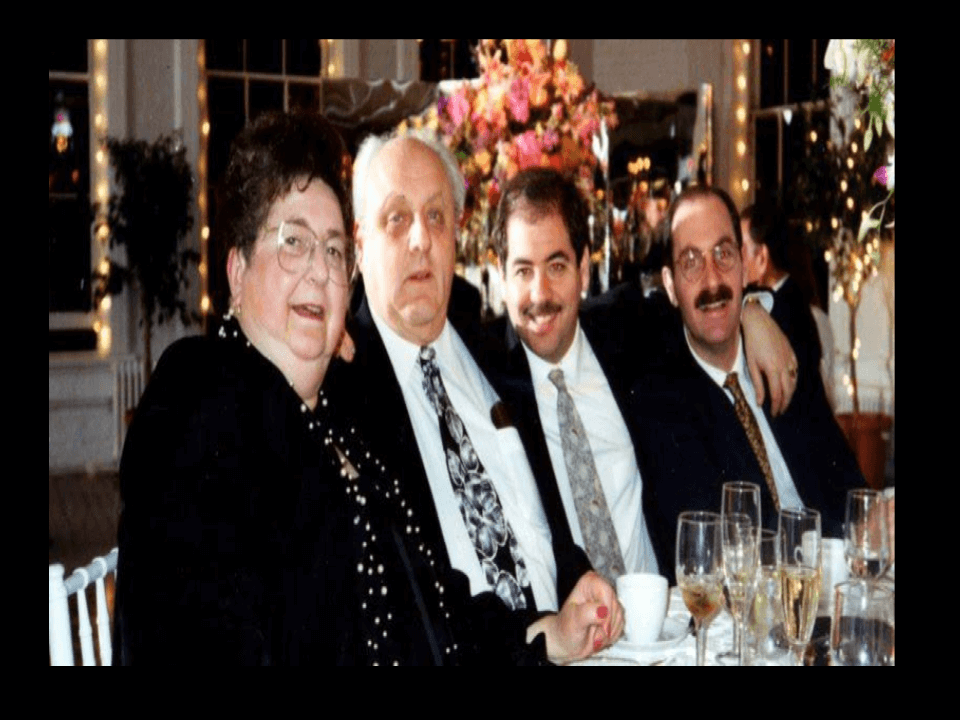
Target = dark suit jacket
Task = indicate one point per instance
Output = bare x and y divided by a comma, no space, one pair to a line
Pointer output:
236,538
481,627
693,443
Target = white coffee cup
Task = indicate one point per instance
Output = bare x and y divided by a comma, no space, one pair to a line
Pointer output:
644,599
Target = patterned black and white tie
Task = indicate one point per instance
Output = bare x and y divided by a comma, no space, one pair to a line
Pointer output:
480,507
599,535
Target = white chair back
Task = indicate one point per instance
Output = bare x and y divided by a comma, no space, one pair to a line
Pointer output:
61,636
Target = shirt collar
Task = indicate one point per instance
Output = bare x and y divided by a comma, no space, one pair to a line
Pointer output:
571,363
405,354
716,374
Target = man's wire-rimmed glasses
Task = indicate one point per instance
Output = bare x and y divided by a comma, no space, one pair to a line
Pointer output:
692,263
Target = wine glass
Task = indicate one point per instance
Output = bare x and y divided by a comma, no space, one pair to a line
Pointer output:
740,536
798,561
699,571
862,632
865,543
764,627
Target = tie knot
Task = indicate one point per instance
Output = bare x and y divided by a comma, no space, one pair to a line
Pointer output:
432,384
556,377
428,358
731,382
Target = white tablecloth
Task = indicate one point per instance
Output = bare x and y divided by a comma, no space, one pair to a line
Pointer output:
719,640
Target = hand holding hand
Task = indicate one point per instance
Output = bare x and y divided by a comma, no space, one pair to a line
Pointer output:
591,619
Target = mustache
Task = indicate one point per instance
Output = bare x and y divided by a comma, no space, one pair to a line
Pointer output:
543,308
707,296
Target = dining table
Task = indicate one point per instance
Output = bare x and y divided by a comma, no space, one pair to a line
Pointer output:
677,644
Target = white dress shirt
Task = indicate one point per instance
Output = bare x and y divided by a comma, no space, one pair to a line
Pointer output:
500,451
786,490
610,444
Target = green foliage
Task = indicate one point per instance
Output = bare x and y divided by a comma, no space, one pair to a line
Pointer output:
150,218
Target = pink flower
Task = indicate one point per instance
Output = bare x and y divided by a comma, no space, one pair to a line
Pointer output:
528,150
458,108
588,129
518,99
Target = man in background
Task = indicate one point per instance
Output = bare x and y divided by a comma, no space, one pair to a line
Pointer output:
766,263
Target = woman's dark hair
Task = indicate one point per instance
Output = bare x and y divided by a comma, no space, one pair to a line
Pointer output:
266,159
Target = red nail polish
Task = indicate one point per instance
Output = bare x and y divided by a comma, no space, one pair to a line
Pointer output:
602,612
597,644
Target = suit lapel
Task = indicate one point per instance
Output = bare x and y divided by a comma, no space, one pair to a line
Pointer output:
728,443
378,390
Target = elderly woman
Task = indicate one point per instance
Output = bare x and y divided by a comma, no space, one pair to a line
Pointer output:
237,535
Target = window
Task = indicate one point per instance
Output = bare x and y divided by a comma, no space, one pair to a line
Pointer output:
795,85
245,78
793,96
69,211
447,60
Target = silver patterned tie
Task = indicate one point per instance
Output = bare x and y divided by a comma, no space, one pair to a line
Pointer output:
599,535
480,507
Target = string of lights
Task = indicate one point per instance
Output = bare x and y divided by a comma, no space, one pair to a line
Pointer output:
742,170
101,182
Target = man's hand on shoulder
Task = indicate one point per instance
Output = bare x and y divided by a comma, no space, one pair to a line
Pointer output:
769,356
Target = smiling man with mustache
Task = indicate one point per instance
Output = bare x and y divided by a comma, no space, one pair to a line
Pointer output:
700,406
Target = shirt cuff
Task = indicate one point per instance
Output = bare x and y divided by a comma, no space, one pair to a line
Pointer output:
763,297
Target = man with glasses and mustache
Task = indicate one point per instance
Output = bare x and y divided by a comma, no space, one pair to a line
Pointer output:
702,421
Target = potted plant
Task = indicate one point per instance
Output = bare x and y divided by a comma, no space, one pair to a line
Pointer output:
863,102
149,217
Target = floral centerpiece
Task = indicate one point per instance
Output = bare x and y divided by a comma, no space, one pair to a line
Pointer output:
863,100
529,108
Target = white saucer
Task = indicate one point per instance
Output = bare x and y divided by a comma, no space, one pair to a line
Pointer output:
672,634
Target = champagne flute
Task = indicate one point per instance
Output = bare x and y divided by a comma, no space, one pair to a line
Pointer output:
862,632
764,626
740,513
699,571
739,539
866,546
798,561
